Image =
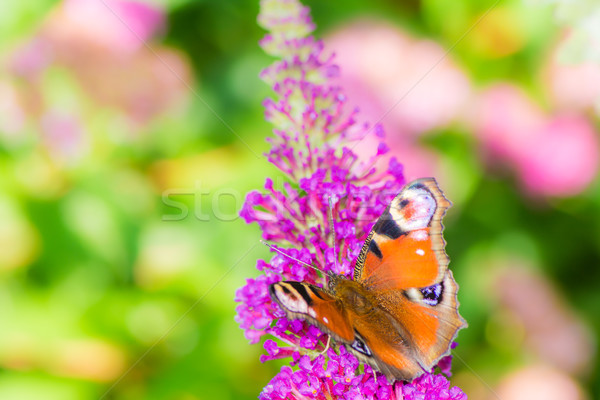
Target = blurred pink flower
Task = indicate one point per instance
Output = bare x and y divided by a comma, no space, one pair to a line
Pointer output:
505,120
565,161
553,156
119,25
411,78
77,26
573,86
30,60
538,382
406,83
63,136
111,62
552,330
100,44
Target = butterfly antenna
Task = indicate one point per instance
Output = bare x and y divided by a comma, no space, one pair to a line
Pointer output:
332,227
290,257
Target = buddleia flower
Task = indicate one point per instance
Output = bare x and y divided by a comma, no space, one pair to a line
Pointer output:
314,134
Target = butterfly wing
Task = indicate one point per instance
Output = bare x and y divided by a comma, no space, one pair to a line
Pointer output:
405,246
429,315
404,265
349,315
383,342
303,301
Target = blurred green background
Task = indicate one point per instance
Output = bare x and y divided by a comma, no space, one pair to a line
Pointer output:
130,133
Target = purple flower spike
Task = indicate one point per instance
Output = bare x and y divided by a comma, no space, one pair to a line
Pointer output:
314,133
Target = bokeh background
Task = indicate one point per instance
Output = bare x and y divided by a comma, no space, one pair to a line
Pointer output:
131,131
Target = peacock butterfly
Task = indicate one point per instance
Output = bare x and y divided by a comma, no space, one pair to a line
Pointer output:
400,312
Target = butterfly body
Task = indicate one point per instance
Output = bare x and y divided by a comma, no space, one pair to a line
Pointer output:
400,313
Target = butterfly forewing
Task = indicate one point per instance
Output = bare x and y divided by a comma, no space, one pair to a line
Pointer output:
406,243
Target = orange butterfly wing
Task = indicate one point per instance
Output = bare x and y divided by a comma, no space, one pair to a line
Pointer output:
386,344
351,317
404,264
432,327
303,301
405,248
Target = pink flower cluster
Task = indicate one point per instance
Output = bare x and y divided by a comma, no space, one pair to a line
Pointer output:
336,379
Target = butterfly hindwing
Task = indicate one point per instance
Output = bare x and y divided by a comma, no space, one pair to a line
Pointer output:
430,315
307,302
384,343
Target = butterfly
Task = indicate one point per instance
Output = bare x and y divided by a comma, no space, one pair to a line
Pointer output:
400,312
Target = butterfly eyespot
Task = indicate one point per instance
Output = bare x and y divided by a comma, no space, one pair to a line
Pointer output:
432,295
